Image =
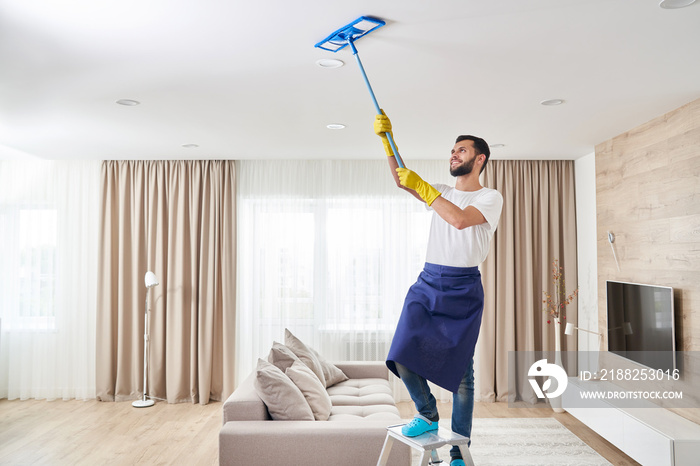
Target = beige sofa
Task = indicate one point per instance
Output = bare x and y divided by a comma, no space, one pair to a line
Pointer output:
362,408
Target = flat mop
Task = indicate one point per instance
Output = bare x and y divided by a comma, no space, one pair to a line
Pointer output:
347,35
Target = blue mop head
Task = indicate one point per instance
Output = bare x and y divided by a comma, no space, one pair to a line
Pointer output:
350,33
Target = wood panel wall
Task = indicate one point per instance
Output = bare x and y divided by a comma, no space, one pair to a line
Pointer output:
648,195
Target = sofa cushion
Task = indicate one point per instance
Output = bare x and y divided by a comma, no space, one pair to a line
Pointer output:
312,389
283,399
361,392
357,399
358,413
361,387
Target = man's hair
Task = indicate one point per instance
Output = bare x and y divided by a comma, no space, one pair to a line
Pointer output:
479,144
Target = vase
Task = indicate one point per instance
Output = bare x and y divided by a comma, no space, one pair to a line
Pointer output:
556,402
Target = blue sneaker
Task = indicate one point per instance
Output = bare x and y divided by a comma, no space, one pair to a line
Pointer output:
419,425
457,462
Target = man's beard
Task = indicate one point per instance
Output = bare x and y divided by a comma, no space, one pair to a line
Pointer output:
464,169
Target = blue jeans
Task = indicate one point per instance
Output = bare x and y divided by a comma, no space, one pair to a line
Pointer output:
462,400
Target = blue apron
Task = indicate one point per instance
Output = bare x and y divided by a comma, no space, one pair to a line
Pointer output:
439,324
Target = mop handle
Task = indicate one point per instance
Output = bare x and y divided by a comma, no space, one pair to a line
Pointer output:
376,104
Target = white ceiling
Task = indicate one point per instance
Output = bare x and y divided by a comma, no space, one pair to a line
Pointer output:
239,78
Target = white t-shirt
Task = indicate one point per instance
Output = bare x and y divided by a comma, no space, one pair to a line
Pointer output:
468,247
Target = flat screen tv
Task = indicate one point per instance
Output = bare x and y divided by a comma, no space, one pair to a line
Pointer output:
641,324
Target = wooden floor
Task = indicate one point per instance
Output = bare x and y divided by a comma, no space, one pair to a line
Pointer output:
96,433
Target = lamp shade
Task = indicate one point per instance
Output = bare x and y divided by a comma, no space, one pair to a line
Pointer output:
569,330
673,4
627,328
151,279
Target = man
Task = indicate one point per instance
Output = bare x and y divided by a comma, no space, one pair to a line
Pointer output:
439,324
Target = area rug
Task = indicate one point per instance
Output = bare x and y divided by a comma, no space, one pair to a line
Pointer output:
523,442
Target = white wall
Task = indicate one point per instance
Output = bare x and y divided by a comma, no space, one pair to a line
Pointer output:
584,168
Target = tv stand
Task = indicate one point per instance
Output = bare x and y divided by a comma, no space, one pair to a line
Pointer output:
651,436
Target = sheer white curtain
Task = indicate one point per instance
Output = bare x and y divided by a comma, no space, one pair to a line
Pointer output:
327,249
48,246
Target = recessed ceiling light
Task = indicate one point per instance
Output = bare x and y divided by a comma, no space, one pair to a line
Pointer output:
128,102
673,4
330,63
552,102
190,146
335,126
496,146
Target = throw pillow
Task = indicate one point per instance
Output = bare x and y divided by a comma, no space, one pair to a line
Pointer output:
281,356
303,352
314,392
331,373
283,399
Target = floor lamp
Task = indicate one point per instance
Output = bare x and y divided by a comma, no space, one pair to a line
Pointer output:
151,281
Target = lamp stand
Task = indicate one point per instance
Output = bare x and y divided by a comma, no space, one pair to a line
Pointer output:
144,402
595,376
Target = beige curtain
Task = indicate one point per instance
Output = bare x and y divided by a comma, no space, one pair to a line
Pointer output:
537,225
177,219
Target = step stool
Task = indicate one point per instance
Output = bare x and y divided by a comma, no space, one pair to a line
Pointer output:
427,443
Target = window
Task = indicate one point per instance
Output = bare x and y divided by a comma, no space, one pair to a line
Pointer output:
35,256
327,249
282,249
48,260
329,269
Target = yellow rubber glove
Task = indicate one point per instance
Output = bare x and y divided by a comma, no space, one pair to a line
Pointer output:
411,180
382,125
